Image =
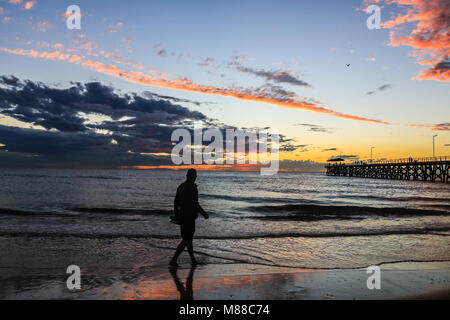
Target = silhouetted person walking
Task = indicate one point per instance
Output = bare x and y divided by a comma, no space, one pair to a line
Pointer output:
186,207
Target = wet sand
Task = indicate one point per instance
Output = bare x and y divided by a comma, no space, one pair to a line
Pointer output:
237,281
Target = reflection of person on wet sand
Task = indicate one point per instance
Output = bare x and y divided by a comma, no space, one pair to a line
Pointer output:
186,207
185,293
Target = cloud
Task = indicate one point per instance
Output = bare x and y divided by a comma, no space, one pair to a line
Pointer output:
329,149
162,53
1,10
15,1
315,128
277,76
152,95
85,124
384,87
346,157
290,147
184,84
435,127
29,4
141,124
430,35
442,127
380,88
371,59
38,148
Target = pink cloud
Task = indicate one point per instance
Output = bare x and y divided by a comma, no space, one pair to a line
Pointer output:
29,4
429,37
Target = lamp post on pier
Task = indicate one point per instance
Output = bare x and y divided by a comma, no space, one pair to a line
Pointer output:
433,144
371,148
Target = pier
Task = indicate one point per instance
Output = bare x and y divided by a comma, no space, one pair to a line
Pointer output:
435,169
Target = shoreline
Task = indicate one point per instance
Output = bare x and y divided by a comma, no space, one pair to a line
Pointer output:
421,281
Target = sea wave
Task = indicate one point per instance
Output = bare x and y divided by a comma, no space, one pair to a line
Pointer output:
32,175
26,213
435,231
347,210
398,199
124,211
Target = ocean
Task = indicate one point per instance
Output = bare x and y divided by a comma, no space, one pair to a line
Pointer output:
115,223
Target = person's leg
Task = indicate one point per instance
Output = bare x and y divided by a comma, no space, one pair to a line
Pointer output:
190,248
179,250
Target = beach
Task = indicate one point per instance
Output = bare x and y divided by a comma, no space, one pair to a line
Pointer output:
293,236
236,282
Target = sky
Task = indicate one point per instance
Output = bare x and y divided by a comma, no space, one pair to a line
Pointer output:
110,93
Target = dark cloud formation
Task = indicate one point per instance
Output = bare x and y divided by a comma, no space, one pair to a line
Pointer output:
439,71
277,76
329,149
60,109
91,125
380,88
314,127
40,148
162,53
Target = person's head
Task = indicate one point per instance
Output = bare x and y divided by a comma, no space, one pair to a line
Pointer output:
191,175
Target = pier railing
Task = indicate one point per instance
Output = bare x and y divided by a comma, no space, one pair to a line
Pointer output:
403,160
424,169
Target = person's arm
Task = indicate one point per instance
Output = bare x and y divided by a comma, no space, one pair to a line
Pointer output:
198,207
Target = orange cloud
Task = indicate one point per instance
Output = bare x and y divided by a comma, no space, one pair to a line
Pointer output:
29,4
15,1
256,95
431,35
